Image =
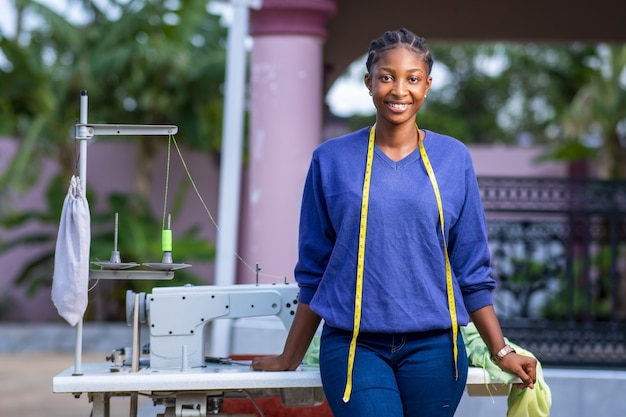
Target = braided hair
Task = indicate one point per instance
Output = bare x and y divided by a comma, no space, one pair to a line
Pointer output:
399,38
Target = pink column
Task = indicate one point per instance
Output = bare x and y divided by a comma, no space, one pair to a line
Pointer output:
286,106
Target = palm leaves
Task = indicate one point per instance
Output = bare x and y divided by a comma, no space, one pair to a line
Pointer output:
599,108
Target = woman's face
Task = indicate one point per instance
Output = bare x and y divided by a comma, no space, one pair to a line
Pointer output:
398,82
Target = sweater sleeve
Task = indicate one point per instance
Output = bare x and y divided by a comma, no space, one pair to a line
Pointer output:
316,235
468,247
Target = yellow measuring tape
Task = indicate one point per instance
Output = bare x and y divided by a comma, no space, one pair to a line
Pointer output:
358,301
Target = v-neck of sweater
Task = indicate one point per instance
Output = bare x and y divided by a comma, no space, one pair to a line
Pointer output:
407,160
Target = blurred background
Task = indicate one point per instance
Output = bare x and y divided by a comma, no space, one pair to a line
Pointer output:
536,91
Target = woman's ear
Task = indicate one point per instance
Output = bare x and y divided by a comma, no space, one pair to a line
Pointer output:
368,82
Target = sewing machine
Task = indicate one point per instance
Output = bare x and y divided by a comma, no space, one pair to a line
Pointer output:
176,316
177,374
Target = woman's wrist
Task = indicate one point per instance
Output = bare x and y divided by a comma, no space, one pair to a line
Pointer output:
500,354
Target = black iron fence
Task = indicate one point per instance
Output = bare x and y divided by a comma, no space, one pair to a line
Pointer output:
559,256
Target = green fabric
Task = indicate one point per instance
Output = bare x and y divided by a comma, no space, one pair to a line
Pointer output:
521,402
312,355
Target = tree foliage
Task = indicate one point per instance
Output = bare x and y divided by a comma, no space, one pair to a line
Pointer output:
142,62
499,92
598,109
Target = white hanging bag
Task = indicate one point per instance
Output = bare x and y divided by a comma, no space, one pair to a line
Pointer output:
71,261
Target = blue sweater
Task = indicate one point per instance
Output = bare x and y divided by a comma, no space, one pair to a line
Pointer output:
404,282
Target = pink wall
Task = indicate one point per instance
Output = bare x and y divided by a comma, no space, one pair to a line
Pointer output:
511,161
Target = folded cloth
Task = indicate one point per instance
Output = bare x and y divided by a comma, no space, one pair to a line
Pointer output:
521,402
71,259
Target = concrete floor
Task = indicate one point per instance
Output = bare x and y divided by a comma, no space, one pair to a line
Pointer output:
26,386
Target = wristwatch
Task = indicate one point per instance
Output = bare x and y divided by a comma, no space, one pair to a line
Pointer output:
497,357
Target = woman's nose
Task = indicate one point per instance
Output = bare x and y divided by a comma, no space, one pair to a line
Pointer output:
399,87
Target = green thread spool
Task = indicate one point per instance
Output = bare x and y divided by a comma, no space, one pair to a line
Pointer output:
166,240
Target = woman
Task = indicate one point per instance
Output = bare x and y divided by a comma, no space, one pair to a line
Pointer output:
393,256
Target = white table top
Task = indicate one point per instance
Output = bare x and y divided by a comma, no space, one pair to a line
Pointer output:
97,377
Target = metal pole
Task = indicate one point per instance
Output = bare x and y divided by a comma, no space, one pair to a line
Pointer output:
78,353
230,168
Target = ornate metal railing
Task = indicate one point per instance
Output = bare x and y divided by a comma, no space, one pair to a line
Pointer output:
550,195
559,256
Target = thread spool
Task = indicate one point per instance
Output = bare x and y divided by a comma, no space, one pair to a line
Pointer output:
166,240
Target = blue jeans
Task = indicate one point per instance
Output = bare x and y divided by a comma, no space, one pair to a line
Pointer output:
395,375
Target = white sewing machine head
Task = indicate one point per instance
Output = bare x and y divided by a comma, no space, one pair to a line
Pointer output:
177,316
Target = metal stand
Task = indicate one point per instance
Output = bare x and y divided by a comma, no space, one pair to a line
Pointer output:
82,132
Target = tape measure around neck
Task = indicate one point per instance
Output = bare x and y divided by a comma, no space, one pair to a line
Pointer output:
358,300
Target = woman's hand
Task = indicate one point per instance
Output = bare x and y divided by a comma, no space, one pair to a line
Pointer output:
525,367
271,363
301,333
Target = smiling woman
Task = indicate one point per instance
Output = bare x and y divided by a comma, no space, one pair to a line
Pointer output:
393,255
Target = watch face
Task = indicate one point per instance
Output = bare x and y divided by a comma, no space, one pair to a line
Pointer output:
504,351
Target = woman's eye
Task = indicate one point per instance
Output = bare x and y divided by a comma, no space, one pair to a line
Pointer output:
386,78
413,80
